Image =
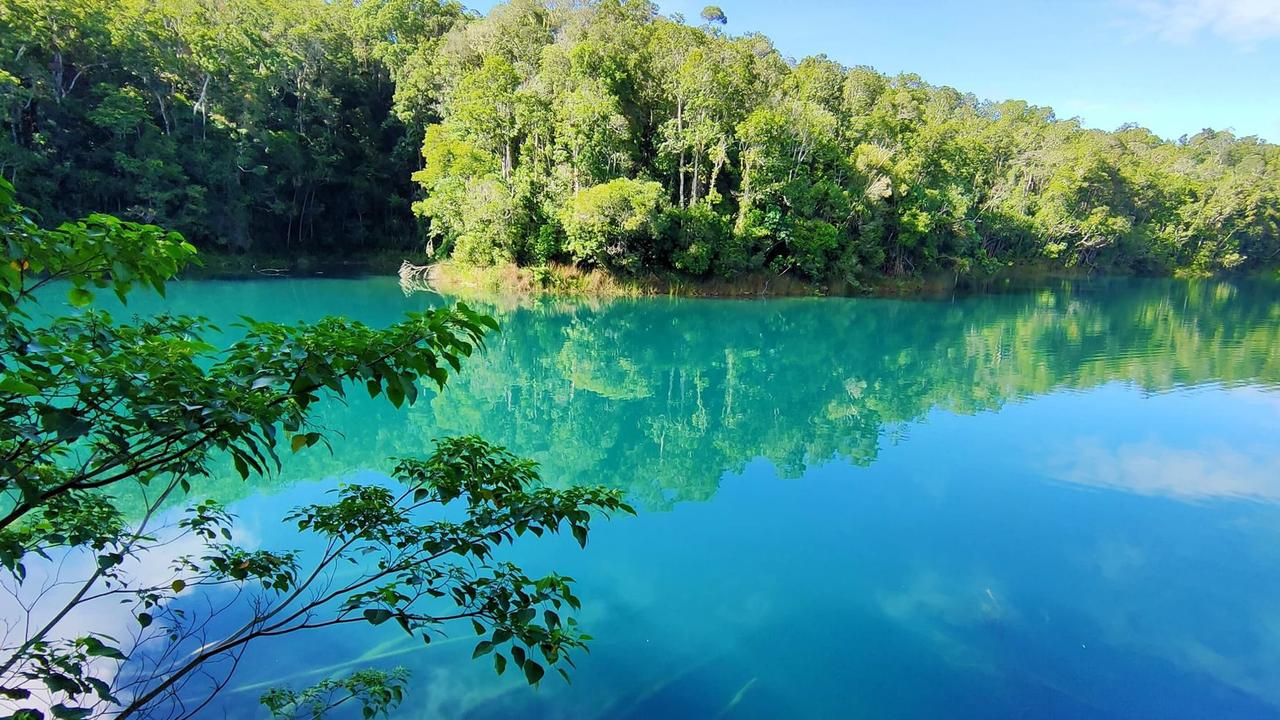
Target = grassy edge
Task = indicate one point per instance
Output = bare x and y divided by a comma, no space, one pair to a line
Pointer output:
570,281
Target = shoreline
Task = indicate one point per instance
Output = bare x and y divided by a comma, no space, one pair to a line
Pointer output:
509,281
236,266
569,282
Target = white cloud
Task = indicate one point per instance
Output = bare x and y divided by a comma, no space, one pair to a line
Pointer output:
1214,471
1241,21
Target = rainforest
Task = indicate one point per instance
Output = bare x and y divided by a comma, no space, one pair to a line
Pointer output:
599,135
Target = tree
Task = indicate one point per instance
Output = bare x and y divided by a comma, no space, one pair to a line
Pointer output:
788,156
300,126
483,107
592,133
713,14
911,177
252,123
404,36
615,224
90,408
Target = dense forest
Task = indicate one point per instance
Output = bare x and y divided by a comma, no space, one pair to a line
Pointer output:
599,133
246,124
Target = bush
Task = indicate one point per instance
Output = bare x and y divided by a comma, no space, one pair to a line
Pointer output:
615,224
547,245
813,244
490,225
699,235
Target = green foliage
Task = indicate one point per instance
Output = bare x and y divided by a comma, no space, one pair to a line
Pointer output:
377,691
295,126
831,171
615,224
813,244
548,245
91,408
699,233
276,125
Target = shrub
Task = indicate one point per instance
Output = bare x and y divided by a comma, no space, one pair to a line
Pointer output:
614,224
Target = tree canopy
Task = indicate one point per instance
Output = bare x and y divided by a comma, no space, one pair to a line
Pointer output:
284,125
306,126
765,164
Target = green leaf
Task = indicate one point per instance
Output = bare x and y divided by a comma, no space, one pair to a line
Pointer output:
93,647
14,386
395,394
179,585
57,682
499,663
63,712
533,672
484,647
102,689
377,616
298,442
266,381
144,619
79,297
15,693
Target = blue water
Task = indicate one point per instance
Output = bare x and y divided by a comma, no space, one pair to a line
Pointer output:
1061,502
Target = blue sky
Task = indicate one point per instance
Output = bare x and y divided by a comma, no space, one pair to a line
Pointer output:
1175,66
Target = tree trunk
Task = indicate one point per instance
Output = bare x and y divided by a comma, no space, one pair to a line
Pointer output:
697,172
680,139
57,70
576,182
721,155
745,198
202,107
164,115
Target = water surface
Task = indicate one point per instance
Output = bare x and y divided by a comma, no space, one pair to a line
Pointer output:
1060,502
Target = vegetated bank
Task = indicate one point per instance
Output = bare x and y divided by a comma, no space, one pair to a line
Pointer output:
603,136
512,281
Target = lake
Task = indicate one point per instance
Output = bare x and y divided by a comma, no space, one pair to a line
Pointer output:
1061,501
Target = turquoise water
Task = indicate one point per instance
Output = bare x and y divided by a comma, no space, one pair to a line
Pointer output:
1054,503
